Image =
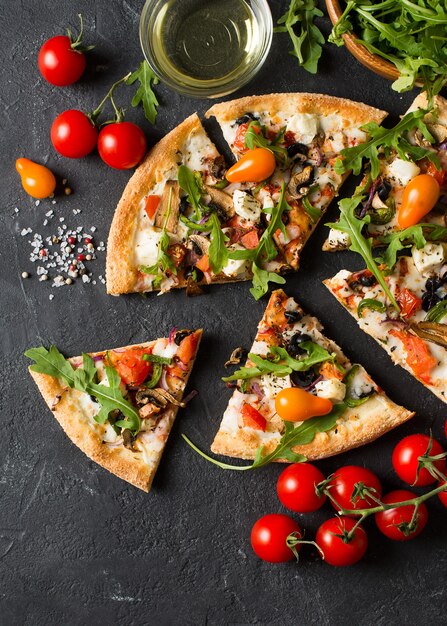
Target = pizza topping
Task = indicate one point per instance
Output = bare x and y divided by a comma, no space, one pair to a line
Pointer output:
333,389
169,208
246,206
300,181
402,171
419,197
408,302
418,356
297,405
221,201
429,258
253,418
431,331
254,166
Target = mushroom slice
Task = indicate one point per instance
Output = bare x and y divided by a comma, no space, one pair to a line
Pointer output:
299,180
160,397
202,243
222,201
431,331
171,191
238,355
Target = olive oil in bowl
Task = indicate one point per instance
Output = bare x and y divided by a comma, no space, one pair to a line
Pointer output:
205,47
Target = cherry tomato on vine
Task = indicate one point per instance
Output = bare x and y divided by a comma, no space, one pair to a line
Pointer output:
296,405
253,167
37,180
59,63
443,494
269,535
73,135
130,365
419,197
346,487
121,145
406,463
398,523
296,488
337,547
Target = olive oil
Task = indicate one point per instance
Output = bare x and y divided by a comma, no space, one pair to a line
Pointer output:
203,41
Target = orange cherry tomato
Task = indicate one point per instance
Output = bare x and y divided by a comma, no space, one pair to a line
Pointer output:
129,364
419,197
296,405
255,166
37,180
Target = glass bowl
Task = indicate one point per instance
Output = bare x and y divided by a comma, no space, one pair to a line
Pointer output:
159,18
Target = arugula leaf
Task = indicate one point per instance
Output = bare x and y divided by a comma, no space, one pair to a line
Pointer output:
218,253
293,436
315,354
370,303
261,280
255,140
145,93
164,262
188,182
110,398
437,312
417,235
350,224
386,139
307,41
312,211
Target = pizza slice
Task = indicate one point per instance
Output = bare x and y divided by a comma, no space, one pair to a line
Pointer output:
421,148
290,351
414,336
180,224
311,129
119,406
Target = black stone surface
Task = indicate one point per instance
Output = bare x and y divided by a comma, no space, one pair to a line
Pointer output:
79,546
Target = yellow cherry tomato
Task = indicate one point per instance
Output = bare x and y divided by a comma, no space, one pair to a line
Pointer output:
419,197
253,167
37,180
297,405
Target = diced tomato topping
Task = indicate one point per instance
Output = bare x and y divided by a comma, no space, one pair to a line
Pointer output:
418,355
289,138
203,264
151,205
239,140
250,240
438,175
252,418
408,303
177,252
131,367
187,348
329,370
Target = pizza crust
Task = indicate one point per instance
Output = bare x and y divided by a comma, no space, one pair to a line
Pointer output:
121,273
120,461
356,112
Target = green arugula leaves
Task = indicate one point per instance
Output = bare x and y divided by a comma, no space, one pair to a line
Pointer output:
385,139
257,140
164,262
307,39
84,379
417,235
145,94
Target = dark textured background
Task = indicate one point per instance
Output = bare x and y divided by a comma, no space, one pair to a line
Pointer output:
79,546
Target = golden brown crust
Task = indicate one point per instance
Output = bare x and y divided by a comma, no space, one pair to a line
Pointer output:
356,112
121,273
357,426
120,461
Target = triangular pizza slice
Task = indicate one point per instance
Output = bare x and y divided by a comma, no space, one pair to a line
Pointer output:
118,406
290,352
180,223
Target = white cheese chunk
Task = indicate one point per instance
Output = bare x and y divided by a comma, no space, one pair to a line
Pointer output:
246,206
147,241
429,258
334,390
402,171
338,239
235,267
361,385
272,384
304,125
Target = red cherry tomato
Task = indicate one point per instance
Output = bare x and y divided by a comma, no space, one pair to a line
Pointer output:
296,488
419,197
443,494
255,166
73,135
59,62
130,365
269,535
296,405
405,459
121,145
394,523
348,480
337,548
